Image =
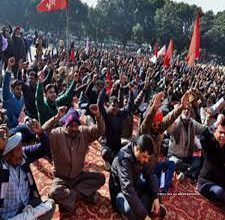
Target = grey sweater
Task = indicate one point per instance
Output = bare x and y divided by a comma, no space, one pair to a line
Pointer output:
182,139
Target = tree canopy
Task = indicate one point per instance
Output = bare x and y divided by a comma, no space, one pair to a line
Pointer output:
141,21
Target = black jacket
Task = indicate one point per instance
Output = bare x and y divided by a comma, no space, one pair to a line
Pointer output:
213,169
125,172
113,132
18,48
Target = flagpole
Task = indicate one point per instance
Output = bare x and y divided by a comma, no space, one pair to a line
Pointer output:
67,27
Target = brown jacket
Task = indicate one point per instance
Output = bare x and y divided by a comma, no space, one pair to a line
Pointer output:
69,153
146,126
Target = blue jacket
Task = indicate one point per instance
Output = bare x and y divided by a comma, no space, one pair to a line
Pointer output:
11,103
31,153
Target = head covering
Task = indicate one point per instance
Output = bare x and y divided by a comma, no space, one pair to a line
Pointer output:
72,117
12,143
158,118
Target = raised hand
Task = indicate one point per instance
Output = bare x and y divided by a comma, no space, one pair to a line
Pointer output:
95,77
61,112
11,63
76,76
157,100
41,76
186,99
35,126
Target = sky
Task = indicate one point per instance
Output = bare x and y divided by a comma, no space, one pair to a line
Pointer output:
215,5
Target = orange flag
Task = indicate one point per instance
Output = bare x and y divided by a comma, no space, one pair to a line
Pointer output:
194,49
52,5
169,54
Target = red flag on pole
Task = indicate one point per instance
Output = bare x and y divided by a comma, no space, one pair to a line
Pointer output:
194,49
52,5
169,54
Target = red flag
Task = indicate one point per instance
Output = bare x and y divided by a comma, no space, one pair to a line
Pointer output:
194,49
156,48
169,54
52,5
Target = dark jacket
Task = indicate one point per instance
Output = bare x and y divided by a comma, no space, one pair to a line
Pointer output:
213,169
18,46
125,172
31,153
29,92
113,123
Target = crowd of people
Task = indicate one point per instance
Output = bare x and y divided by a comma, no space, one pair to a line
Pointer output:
56,105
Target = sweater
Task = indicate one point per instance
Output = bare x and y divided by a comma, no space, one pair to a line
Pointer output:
181,142
69,153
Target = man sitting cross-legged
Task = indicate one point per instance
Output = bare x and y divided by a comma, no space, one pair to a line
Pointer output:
69,145
133,186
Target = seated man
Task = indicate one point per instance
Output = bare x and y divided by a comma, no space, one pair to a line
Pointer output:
113,117
181,145
69,145
18,189
211,181
133,187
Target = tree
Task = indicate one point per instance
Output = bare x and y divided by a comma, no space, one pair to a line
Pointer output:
174,20
138,33
119,19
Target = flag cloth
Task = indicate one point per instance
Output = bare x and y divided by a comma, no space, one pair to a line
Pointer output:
162,51
52,5
194,49
169,54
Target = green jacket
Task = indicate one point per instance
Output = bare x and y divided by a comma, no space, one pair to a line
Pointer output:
47,109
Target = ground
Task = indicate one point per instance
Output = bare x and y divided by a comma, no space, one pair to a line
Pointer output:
183,201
